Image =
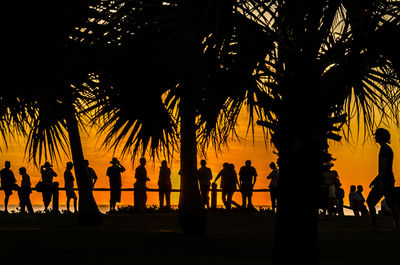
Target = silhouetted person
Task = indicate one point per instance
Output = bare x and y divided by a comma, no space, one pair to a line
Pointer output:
228,183
140,195
361,201
25,192
92,174
354,204
205,177
8,183
114,175
329,180
383,184
273,185
69,185
47,184
385,209
339,198
164,185
247,178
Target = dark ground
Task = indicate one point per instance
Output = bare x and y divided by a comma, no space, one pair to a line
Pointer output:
233,238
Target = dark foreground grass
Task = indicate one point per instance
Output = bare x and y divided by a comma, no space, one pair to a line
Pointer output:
235,238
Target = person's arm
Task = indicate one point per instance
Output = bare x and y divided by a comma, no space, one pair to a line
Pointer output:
218,176
255,177
121,167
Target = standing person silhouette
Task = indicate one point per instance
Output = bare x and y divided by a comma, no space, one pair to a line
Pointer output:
47,184
69,186
205,176
7,183
114,175
164,185
92,174
140,196
354,203
228,183
383,184
25,191
273,185
247,178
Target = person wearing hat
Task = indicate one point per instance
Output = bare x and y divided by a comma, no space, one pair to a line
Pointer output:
69,185
48,174
383,184
8,183
114,175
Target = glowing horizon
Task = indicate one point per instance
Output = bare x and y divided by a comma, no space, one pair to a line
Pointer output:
356,165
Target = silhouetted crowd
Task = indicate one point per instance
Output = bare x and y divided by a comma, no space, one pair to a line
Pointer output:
330,198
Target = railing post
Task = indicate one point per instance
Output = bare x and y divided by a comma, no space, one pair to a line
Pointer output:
214,196
55,198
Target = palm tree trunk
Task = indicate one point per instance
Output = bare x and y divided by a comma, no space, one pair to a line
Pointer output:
89,213
191,209
301,145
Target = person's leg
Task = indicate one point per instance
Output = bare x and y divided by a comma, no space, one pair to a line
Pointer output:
168,198
391,202
161,197
243,200
207,195
6,198
29,204
68,201
224,197
250,204
229,200
272,195
75,202
373,198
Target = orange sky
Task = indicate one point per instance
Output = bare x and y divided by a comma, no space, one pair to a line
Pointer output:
356,164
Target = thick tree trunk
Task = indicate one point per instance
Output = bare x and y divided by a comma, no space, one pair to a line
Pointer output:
89,213
301,145
191,209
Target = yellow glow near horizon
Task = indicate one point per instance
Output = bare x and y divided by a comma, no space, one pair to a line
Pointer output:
356,164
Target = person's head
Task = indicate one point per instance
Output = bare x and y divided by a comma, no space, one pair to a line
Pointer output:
272,165
382,136
203,163
163,163
69,165
47,165
7,164
22,171
248,163
86,162
142,161
231,166
114,161
360,188
225,165
353,188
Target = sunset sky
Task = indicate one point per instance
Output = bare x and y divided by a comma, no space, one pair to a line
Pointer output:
356,163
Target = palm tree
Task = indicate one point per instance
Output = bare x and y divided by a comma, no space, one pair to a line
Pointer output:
330,58
47,67
174,67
